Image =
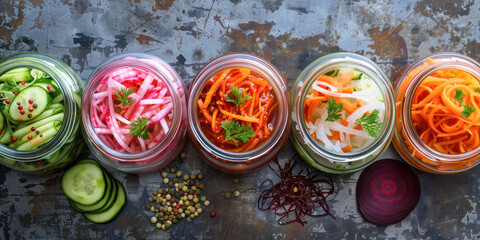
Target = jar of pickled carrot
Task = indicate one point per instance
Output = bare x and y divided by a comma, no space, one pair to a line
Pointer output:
238,112
438,113
342,113
134,113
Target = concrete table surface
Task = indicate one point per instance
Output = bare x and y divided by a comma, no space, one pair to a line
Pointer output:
188,34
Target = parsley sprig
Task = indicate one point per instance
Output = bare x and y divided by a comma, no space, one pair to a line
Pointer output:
236,97
468,110
139,128
459,95
333,109
123,96
370,123
234,131
477,89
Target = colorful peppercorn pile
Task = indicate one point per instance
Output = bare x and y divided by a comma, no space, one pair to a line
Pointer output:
177,201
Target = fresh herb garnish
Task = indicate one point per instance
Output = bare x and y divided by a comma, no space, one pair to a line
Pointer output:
459,95
467,111
234,130
477,89
333,108
123,96
139,128
236,97
370,123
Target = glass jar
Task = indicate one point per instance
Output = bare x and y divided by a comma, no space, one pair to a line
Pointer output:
314,152
240,162
168,147
67,143
406,139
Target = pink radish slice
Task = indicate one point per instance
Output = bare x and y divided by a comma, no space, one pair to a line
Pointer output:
387,191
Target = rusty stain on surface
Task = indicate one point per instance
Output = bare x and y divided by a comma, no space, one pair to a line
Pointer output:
162,4
145,39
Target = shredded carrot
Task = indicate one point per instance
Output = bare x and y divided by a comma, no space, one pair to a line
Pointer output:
438,109
218,103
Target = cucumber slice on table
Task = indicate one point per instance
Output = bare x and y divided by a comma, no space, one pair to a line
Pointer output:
113,211
84,183
105,200
41,100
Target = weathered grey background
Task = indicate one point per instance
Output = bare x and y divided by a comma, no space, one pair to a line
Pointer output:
188,34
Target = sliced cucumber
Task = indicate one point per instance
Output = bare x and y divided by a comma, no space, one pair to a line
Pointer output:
39,140
102,203
58,99
47,113
41,100
44,128
24,130
112,212
49,87
7,137
2,121
84,183
17,75
332,73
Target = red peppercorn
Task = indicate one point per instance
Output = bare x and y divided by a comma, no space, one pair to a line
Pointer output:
23,83
29,137
213,214
177,206
49,87
14,139
30,108
39,164
15,93
30,101
7,101
175,210
0,131
33,128
20,107
22,112
18,103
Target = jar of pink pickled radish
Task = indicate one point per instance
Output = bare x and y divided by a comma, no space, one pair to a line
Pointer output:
134,113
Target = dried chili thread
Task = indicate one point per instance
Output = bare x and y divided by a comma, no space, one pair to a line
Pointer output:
297,195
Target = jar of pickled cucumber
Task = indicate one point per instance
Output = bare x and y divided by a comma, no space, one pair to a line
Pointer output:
39,113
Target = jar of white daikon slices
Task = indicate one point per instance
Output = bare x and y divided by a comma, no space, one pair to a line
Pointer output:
342,113
134,114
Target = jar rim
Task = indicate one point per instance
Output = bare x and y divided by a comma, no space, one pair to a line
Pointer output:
57,70
264,68
323,65
157,67
453,61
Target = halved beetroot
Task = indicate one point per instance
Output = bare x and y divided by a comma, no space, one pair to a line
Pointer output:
387,191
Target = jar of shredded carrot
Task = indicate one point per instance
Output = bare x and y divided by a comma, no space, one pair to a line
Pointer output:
438,113
342,113
238,112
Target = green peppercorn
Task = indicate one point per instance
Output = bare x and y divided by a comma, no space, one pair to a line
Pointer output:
150,199
198,191
201,186
158,225
166,190
178,174
187,203
236,193
203,198
192,176
147,207
152,208
172,170
183,156
171,184
187,212
195,200
166,180
164,174
175,180
235,180
186,177
175,220
192,216
199,210
184,188
198,205
169,209
182,215
154,193
206,203
200,176
190,197
153,219
196,214
227,195
154,198
168,196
